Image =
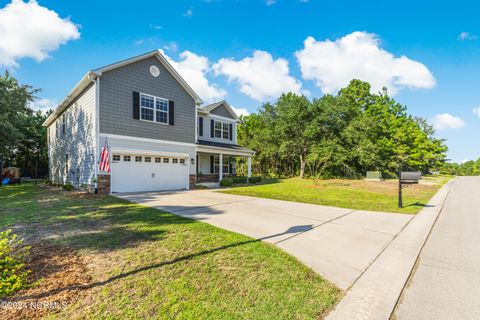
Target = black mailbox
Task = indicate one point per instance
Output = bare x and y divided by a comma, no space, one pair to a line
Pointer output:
410,177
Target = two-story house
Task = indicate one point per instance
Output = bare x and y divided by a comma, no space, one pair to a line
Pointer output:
158,135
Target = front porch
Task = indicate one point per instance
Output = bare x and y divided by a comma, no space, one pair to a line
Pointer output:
216,162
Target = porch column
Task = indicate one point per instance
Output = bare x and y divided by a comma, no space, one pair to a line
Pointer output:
220,167
249,167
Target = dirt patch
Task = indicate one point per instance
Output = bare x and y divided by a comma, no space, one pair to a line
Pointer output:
57,276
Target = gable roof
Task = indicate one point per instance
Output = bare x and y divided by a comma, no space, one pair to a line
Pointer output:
91,75
212,106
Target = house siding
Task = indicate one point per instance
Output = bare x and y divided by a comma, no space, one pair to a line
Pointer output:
206,130
116,103
78,142
222,111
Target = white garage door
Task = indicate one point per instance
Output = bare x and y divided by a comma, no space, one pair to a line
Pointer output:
133,173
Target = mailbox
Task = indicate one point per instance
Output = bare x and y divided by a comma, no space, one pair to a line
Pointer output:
410,177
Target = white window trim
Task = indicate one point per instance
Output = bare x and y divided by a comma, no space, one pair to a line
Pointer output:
230,133
215,165
154,109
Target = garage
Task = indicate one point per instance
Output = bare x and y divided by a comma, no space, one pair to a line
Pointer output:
139,172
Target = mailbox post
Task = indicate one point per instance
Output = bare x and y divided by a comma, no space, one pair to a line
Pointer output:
406,178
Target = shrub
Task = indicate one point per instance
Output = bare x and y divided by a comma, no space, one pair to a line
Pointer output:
255,179
13,275
200,187
226,182
68,187
240,179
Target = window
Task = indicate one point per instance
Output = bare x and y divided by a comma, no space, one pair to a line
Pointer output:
182,161
158,160
148,159
225,166
174,160
166,160
153,109
116,157
126,158
226,130
218,129
222,130
138,159
66,163
64,124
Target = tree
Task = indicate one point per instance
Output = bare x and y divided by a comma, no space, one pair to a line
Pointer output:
22,137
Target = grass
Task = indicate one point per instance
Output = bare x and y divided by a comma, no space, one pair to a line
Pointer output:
145,263
353,194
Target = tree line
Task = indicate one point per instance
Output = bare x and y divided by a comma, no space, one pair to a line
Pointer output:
341,135
23,140
467,168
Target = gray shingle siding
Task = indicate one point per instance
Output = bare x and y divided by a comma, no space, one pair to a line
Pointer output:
222,111
78,142
116,103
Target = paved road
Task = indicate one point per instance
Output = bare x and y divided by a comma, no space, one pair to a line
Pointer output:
337,243
446,283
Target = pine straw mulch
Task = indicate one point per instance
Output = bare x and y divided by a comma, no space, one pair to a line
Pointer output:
58,276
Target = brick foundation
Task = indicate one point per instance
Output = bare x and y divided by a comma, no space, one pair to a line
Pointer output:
103,184
192,181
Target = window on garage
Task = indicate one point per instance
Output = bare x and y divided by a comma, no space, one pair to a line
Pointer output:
116,157
182,161
138,159
126,158
158,160
148,159
166,160
174,160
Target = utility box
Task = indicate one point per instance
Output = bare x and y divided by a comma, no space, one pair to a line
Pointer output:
374,176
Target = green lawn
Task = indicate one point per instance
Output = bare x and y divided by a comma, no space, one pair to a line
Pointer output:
146,263
354,194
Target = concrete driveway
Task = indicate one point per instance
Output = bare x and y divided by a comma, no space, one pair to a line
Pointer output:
337,243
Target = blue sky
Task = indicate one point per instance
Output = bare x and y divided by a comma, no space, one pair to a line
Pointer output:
249,51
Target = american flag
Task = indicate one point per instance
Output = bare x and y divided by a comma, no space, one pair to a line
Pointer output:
104,158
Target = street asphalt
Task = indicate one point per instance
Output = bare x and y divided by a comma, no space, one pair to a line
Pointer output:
445,283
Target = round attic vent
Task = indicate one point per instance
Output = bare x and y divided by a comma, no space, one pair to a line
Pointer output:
154,71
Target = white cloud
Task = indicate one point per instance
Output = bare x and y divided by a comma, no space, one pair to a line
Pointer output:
447,121
476,111
188,13
332,64
259,76
43,104
30,30
241,111
466,36
171,46
155,26
194,68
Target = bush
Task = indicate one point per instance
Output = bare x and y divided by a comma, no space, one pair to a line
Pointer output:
240,179
68,187
13,275
255,179
226,182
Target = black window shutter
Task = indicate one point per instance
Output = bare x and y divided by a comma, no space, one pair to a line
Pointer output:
136,105
212,170
212,128
171,112
231,131
200,125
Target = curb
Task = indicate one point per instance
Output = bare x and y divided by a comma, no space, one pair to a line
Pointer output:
375,294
